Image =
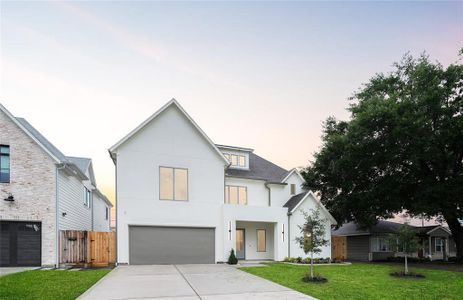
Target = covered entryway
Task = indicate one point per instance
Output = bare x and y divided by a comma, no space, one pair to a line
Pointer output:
20,243
254,240
152,245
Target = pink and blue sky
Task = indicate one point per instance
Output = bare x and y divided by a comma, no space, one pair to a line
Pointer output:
262,75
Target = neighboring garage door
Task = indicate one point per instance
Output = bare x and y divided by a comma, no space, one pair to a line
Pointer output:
171,245
20,243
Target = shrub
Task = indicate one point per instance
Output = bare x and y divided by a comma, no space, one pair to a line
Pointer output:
232,260
299,260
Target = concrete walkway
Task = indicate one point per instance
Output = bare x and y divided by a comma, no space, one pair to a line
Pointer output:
186,282
11,270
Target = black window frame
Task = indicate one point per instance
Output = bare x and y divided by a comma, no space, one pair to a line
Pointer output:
8,179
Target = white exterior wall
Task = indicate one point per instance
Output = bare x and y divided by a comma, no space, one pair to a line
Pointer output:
282,193
71,195
100,223
33,185
298,219
168,140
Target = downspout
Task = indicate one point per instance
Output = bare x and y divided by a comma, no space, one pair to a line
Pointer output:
57,244
269,194
289,235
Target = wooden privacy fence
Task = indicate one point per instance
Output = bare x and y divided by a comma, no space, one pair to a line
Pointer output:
89,248
339,247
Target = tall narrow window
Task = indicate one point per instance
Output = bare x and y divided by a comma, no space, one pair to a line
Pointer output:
293,189
106,213
87,197
242,161
236,195
173,184
439,244
261,240
4,164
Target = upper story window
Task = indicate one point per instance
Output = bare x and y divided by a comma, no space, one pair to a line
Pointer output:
236,195
4,163
87,197
236,160
106,213
173,184
293,189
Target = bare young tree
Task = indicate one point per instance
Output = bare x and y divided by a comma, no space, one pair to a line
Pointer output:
312,235
406,241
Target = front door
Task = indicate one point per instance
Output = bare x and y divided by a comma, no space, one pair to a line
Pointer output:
240,243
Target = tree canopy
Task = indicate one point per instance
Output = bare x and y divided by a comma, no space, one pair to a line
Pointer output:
402,148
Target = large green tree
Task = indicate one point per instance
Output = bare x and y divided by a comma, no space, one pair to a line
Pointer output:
402,148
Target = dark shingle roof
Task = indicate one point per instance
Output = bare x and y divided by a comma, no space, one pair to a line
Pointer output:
42,140
352,228
259,168
294,201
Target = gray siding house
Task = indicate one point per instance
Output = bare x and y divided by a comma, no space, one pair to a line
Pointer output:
371,244
42,191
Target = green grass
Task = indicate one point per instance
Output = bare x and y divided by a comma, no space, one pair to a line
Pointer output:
365,281
50,284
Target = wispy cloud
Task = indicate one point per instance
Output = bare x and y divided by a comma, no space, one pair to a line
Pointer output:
144,46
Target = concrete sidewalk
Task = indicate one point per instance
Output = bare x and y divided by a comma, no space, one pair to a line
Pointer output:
11,270
186,282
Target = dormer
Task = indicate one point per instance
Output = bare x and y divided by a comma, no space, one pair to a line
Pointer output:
237,156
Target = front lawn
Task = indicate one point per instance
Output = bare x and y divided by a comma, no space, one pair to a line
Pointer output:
365,281
48,284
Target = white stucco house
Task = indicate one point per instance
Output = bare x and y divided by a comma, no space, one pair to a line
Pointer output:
42,191
183,199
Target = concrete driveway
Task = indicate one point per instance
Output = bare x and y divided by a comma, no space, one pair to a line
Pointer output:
186,282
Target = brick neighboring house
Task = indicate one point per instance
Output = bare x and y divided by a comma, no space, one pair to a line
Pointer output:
371,244
42,191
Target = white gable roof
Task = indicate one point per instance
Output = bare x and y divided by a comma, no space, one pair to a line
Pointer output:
156,114
291,172
318,202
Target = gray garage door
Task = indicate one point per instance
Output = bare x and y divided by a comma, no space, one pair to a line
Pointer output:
171,245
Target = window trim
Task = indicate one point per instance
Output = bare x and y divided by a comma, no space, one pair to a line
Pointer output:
441,244
89,193
227,192
9,162
257,239
173,184
378,248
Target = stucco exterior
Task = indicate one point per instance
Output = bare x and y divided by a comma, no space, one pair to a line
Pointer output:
170,138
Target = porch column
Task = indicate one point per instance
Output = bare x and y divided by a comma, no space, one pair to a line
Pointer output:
430,249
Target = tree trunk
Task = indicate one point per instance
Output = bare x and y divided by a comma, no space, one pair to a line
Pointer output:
457,234
406,264
311,265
